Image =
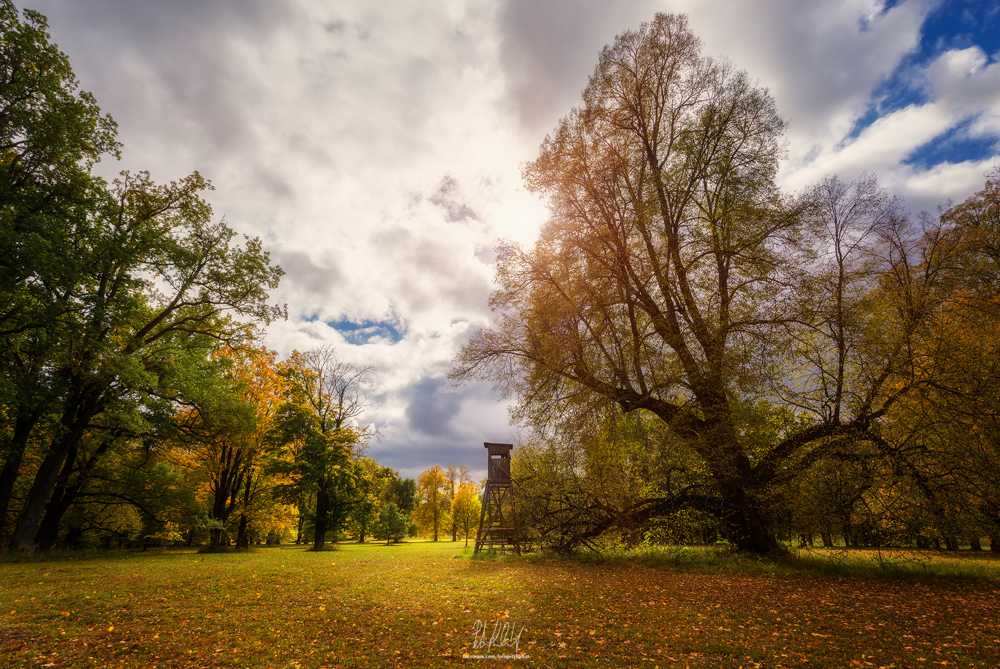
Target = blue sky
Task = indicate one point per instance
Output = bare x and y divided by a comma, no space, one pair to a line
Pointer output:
949,26
375,147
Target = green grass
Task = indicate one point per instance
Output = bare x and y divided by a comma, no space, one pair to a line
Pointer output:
418,604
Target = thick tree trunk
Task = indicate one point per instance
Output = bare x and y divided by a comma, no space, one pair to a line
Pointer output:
77,415
48,530
746,520
242,540
322,511
23,424
224,501
62,497
41,492
747,525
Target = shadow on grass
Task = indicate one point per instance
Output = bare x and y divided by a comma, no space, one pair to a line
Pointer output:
81,554
907,565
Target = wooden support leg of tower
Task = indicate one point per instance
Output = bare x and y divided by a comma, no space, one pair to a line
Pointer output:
497,532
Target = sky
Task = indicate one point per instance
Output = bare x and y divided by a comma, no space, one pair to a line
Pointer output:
376,147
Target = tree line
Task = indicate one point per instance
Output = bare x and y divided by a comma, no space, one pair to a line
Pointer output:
697,354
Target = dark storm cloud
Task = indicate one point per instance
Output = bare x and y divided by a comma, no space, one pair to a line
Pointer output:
412,457
432,404
437,433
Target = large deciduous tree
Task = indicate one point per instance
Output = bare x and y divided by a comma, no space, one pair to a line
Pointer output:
107,292
50,135
674,278
163,282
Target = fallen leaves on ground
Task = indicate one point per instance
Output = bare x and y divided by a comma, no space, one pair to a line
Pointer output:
415,605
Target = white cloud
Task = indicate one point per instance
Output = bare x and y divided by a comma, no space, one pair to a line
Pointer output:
821,60
927,189
878,149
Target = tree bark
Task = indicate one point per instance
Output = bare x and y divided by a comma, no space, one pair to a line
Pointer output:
44,483
242,541
322,511
62,497
23,538
745,519
746,523
48,530
23,425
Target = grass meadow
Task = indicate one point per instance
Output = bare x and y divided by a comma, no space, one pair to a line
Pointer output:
432,604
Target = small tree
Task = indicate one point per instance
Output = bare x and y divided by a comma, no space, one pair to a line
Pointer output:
323,451
466,509
392,524
433,506
404,493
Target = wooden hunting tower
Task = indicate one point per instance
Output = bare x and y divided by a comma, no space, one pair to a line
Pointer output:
497,521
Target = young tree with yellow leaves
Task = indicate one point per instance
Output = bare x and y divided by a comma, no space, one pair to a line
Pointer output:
465,509
433,511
